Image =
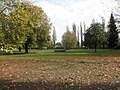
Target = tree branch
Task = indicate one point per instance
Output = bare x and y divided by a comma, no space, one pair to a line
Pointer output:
3,10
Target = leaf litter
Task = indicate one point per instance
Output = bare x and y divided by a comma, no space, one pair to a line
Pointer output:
89,73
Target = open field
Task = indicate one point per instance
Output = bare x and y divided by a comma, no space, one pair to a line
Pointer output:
71,70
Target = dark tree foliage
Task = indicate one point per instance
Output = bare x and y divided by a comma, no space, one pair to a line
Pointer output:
81,34
112,33
74,28
27,43
78,43
94,36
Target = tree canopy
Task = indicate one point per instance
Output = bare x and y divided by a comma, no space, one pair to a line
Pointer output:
94,36
23,24
69,39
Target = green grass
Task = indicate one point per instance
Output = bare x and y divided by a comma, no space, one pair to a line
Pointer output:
51,54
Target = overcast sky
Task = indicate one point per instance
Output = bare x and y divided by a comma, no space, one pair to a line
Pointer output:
67,12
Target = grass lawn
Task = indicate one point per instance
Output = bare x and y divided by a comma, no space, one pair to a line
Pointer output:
51,54
72,70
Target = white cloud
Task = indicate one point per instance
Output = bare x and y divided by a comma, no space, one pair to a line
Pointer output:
66,12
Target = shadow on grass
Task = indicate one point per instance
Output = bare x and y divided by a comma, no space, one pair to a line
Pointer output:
16,53
42,85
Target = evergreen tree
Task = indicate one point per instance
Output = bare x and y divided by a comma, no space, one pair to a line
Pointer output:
81,32
112,33
54,37
74,28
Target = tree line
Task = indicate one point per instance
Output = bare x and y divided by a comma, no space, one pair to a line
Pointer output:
96,36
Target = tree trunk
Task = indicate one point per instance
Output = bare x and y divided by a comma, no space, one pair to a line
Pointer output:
95,46
26,47
65,46
95,49
40,47
54,44
19,49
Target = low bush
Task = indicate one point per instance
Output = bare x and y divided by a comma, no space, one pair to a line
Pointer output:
59,50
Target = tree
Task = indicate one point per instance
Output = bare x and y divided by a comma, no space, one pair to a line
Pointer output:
78,43
104,42
116,12
54,36
22,26
112,33
59,45
84,30
6,7
94,35
74,28
69,39
48,43
81,32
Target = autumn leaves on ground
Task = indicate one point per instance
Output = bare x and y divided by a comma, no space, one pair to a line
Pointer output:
63,72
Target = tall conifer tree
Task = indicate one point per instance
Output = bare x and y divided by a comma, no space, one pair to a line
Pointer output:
112,33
